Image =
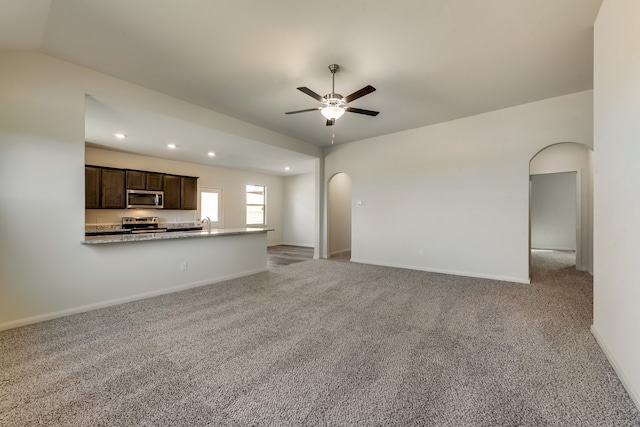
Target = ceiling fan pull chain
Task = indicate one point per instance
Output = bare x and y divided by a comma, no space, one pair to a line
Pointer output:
333,130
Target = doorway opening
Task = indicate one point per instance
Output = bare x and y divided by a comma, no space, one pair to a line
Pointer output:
339,217
561,205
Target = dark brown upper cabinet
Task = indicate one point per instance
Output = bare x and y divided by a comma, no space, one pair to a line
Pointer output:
112,189
105,188
155,181
172,190
189,191
140,180
136,180
92,187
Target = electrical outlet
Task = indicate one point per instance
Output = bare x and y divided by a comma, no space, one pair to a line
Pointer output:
184,266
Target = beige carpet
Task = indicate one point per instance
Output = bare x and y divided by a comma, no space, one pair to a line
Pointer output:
324,343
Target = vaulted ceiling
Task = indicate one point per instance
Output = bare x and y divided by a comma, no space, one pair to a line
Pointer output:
431,60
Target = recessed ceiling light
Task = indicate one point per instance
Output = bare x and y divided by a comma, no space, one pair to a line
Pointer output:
120,135
287,168
211,153
172,146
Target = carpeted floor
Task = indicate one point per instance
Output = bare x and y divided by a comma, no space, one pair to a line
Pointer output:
324,343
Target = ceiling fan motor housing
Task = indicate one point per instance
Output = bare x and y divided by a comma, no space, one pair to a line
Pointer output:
333,100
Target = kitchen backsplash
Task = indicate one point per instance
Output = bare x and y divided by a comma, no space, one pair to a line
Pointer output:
118,226
114,216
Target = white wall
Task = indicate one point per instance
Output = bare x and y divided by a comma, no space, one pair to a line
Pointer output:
44,270
553,211
339,207
568,157
616,322
454,197
231,181
299,210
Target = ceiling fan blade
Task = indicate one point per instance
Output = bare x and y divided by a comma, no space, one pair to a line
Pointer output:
304,111
359,94
361,111
331,122
311,93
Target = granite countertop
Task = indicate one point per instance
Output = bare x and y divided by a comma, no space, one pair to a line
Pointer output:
122,238
89,231
106,231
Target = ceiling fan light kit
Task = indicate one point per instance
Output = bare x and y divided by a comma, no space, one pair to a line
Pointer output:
332,112
334,105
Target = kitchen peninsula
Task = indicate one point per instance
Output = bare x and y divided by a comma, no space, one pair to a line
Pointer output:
136,266
124,238
160,246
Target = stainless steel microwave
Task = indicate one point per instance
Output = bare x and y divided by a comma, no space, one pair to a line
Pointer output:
145,199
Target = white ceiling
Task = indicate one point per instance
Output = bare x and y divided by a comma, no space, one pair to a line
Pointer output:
150,134
430,60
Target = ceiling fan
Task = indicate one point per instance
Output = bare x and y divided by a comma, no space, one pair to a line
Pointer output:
333,104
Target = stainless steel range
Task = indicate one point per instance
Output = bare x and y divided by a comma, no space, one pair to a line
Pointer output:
145,224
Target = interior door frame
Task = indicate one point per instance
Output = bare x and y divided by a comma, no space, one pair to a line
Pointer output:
580,264
330,205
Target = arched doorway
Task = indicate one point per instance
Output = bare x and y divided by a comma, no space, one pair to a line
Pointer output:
561,201
339,216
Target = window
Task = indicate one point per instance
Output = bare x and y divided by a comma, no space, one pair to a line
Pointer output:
211,205
256,203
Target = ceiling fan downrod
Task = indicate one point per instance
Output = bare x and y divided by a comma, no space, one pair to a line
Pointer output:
334,69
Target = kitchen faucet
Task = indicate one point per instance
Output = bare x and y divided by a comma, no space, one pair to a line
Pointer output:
208,221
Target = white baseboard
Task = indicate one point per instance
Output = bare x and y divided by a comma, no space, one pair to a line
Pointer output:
526,281
554,249
300,245
75,310
341,251
616,367
584,270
